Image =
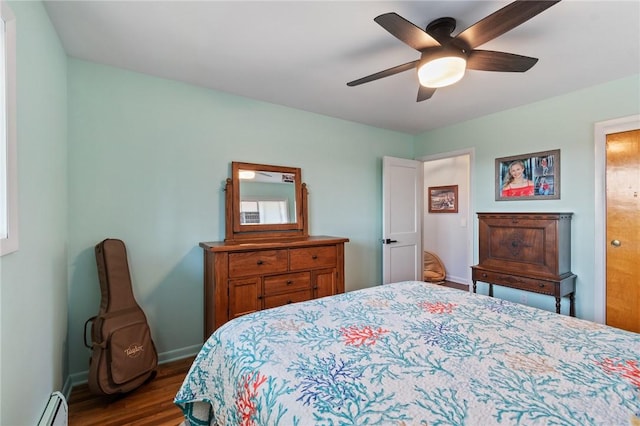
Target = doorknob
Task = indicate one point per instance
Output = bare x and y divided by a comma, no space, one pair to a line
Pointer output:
388,241
616,243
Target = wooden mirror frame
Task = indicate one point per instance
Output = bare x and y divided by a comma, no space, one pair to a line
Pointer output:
236,231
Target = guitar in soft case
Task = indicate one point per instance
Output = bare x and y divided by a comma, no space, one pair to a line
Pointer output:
123,355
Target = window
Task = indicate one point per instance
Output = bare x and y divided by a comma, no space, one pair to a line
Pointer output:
8,160
263,212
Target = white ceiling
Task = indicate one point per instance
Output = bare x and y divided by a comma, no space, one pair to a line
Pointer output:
301,54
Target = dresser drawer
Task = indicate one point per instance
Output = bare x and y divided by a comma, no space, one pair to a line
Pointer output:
287,283
260,262
313,257
513,281
286,298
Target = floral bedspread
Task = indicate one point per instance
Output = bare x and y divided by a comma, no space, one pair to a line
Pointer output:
413,353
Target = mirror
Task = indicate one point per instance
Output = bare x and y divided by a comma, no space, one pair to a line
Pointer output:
266,197
265,201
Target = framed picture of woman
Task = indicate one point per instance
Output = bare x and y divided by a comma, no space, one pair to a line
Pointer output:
534,176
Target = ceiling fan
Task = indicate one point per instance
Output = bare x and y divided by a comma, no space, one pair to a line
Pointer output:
444,58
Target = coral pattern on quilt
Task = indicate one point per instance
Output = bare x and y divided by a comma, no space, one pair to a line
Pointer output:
413,353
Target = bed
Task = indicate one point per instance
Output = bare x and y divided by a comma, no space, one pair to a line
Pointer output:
413,353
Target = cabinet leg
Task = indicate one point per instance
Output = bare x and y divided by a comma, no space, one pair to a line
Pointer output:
558,304
474,286
490,290
572,304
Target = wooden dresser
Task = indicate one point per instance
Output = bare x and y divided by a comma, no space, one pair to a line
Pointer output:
526,251
240,278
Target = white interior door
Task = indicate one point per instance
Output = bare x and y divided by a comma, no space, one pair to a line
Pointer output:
401,220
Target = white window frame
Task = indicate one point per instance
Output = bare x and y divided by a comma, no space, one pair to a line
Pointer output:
8,145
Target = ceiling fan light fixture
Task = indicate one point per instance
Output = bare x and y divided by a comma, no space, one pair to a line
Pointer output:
441,72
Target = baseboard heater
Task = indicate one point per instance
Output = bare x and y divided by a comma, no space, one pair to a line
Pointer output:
56,413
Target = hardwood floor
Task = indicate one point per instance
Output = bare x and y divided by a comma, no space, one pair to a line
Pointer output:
149,405
451,284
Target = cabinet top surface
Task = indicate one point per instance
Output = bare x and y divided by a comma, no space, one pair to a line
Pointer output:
525,213
254,245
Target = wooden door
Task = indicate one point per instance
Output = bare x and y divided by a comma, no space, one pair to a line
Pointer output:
401,220
623,230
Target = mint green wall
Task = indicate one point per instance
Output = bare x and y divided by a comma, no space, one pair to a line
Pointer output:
565,122
33,280
147,161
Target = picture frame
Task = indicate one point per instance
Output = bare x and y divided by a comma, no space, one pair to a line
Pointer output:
534,176
443,199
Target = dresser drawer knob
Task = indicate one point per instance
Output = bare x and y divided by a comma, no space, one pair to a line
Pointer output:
484,275
259,262
314,257
541,285
289,282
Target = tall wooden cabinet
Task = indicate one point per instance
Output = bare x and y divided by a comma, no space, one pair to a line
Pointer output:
526,251
247,277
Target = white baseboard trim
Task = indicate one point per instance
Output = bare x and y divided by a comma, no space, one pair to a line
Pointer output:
177,354
163,358
459,280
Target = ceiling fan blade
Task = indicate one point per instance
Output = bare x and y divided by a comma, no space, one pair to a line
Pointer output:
405,31
386,73
503,20
425,93
488,60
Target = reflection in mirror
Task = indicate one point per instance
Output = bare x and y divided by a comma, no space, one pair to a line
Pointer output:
267,197
265,202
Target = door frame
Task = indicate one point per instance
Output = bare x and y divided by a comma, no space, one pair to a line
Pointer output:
471,223
601,130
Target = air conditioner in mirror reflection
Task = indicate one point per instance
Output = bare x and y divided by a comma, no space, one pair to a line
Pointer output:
260,212
266,176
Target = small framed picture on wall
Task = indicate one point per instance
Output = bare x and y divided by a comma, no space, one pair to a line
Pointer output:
443,199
